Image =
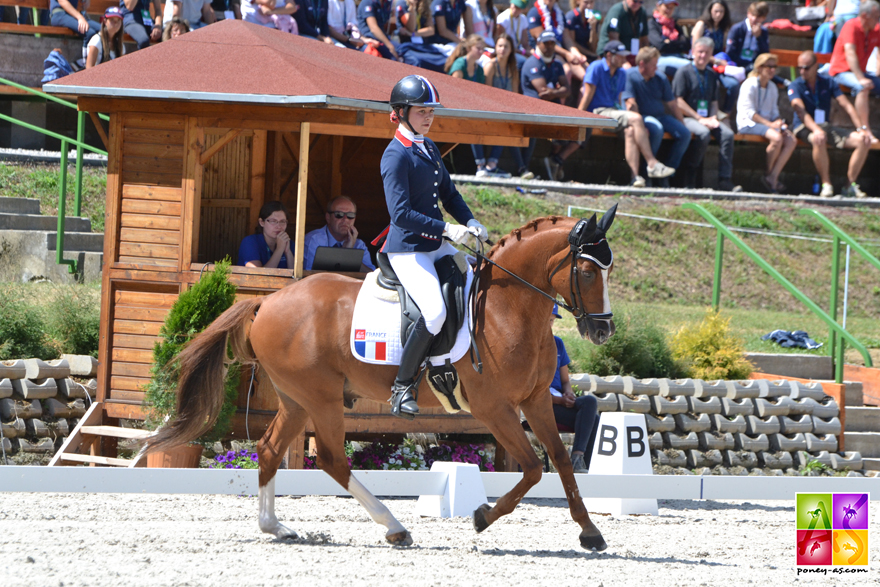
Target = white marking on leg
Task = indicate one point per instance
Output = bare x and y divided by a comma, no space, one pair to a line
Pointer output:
376,509
268,522
607,301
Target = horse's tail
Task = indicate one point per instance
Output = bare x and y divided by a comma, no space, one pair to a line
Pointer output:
201,374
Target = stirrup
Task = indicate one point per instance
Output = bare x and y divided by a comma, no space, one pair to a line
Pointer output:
403,404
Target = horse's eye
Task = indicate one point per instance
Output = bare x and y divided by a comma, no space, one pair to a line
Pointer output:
589,274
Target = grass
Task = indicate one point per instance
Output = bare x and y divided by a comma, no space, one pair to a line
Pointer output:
41,182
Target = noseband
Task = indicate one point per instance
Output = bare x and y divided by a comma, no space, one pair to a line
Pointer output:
581,247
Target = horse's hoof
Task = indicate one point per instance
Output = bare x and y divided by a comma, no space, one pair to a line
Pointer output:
480,521
400,538
285,533
593,542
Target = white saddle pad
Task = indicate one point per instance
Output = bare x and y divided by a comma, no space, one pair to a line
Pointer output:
375,328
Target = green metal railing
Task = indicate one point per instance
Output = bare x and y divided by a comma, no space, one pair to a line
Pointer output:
62,183
836,344
724,232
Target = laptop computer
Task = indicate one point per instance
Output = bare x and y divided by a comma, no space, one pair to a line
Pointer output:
337,259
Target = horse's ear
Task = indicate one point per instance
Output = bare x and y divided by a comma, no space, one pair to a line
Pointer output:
591,226
607,219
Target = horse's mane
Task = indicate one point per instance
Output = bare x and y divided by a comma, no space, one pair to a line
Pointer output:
535,225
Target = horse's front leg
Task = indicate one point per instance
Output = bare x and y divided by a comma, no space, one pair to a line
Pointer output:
503,422
539,413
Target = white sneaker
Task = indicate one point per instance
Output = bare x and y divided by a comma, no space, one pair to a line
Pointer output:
482,171
660,171
827,191
638,182
527,175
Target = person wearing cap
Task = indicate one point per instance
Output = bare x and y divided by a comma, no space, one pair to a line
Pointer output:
546,15
667,37
66,13
810,96
626,22
516,24
577,413
338,232
195,13
136,20
543,77
416,183
107,44
651,95
603,85
696,91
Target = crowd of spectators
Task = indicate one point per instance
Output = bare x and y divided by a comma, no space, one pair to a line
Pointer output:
646,71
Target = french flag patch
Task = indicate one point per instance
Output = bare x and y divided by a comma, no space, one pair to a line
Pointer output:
373,350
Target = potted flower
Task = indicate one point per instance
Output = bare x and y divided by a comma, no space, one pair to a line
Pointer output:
193,311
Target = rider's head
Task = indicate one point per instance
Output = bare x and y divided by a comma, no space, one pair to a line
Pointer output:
413,90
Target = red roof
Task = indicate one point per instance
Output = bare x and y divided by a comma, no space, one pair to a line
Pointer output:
237,57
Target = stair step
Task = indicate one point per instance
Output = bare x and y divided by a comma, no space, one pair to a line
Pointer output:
866,443
9,221
19,205
96,460
862,419
116,432
79,241
870,464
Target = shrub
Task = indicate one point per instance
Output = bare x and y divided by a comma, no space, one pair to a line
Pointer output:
73,319
193,311
638,348
709,349
22,328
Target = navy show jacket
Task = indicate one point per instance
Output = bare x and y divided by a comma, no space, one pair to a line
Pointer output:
736,39
415,185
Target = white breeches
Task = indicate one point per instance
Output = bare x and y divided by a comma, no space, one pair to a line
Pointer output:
416,272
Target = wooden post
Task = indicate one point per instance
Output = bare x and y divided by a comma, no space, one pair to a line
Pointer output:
194,142
301,199
336,167
258,175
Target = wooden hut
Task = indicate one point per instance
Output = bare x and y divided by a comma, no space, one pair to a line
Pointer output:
206,128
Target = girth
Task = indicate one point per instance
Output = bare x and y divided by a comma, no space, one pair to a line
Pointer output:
452,287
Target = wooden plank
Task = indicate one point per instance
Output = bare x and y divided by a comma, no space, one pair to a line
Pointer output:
100,128
141,314
161,237
226,203
148,251
124,411
192,192
128,396
151,207
149,221
258,175
159,137
301,200
144,299
151,178
39,4
135,341
337,145
152,164
153,270
96,460
145,261
132,356
139,118
116,432
539,131
129,383
137,327
152,150
206,155
131,369
29,29
94,416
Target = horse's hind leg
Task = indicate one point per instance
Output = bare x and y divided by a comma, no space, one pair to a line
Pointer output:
288,423
539,413
330,437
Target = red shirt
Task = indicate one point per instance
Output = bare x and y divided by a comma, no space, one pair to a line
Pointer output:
852,33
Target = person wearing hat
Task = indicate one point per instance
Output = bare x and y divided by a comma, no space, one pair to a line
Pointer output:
516,24
651,96
576,413
107,44
546,15
416,183
136,20
603,85
626,22
667,37
66,13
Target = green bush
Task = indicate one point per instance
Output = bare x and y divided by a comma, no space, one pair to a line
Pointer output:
710,351
73,318
193,311
22,328
638,348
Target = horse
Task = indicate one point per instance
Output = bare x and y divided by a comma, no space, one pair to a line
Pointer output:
300,337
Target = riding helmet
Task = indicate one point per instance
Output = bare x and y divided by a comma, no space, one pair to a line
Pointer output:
414,90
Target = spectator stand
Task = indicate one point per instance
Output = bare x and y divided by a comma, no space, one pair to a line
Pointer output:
194,154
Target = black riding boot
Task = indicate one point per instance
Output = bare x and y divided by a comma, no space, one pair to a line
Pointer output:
403,402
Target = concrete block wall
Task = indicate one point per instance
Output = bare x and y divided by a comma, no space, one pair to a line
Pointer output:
42,401
729,427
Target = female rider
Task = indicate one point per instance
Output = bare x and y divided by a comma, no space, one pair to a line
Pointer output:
416,181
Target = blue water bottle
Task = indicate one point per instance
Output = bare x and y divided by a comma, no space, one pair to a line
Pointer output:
816,186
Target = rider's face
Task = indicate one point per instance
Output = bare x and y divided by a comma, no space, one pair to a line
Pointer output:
421,118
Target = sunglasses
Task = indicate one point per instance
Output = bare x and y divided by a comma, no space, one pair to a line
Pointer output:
341,215
805,68
771,66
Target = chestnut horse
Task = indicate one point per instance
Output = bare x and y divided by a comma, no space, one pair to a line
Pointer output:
300,336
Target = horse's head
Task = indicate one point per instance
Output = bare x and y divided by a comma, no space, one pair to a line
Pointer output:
591,262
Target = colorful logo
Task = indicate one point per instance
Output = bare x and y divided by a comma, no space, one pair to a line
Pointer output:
832,531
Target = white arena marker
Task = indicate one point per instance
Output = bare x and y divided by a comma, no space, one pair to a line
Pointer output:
464,492
621,448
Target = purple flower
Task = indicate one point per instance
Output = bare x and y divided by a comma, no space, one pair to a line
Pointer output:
254,457
229,465
243,452
230,455
220,458
238,466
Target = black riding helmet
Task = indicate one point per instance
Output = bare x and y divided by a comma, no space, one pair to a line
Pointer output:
413,90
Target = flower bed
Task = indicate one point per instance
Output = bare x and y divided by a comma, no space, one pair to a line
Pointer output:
409,456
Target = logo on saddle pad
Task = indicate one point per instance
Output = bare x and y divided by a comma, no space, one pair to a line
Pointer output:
370,344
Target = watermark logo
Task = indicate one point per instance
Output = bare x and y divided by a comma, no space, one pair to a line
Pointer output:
832,531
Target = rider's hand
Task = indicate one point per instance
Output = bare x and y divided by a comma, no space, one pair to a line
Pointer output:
456,233
480,232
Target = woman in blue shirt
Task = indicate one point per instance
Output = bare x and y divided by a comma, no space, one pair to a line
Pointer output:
270,245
